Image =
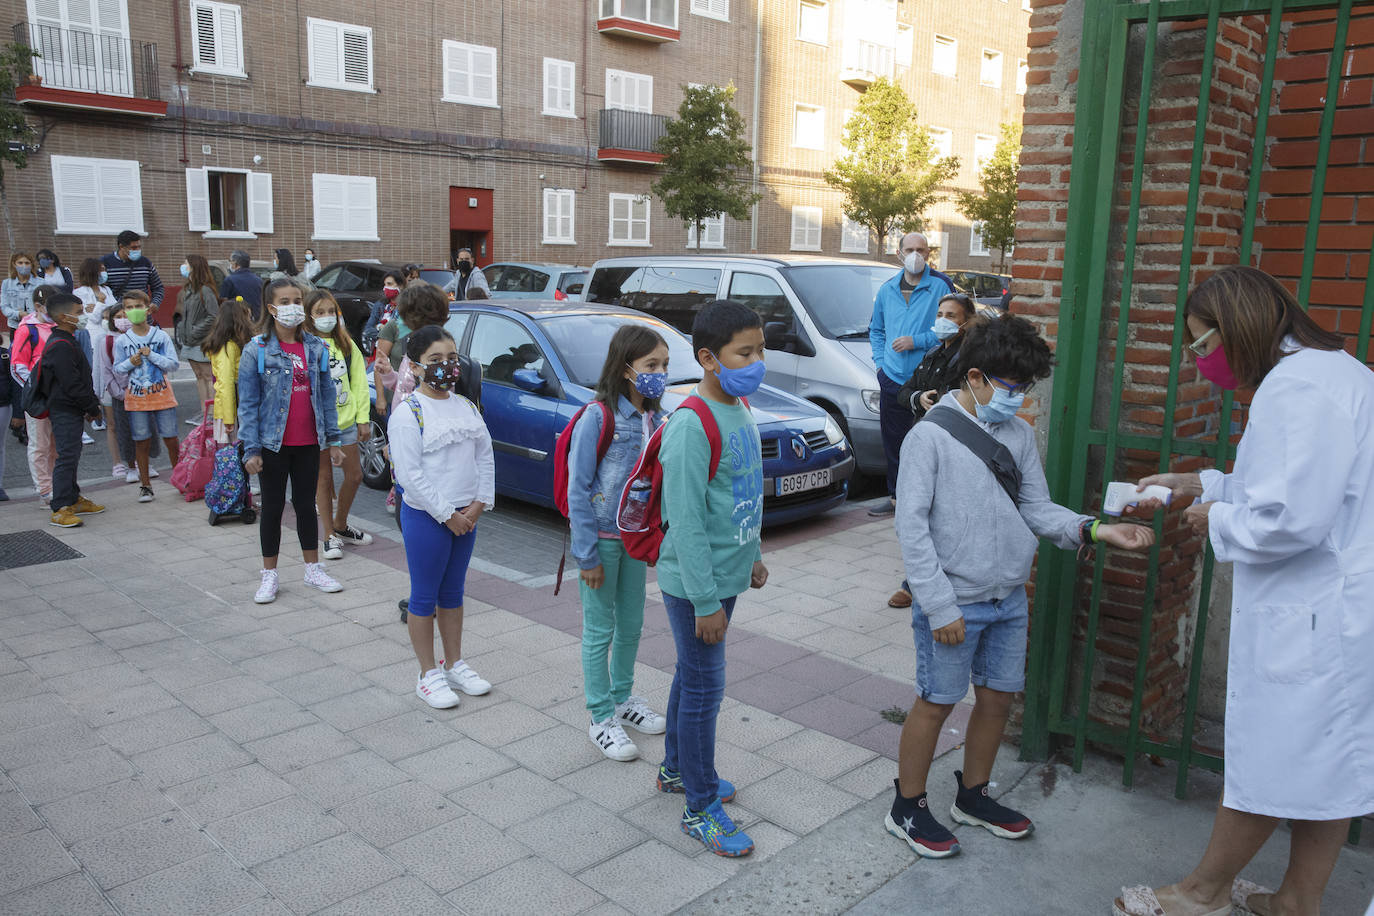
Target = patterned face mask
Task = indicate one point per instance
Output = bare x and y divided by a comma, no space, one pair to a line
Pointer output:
443,375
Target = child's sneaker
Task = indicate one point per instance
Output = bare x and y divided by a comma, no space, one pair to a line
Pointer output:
350,535
973,806
635,712
910,820
86,438
152,472
120,472
98,425
612,741
433,688
671,781
65,518
333,548
716,831
267,590
84,506
131,475
316,577
145,494
461,677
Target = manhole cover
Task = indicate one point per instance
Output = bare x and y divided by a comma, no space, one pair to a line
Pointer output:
33,548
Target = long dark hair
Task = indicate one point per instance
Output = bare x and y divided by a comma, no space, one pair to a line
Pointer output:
88,274
201,276
286,262
630,342
340,333
266,323
233,323
56,261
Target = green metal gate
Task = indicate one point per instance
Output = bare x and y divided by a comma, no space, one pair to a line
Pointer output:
1118,66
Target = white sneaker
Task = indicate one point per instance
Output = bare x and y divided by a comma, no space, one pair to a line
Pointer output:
612,741
433,688
86,439
131,476
254,488
121,472
193,421
145,494
333,548
461,677
152,472
267,591
635,712
316,577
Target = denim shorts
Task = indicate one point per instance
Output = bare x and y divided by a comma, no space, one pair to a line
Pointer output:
349,435
141,423
993,653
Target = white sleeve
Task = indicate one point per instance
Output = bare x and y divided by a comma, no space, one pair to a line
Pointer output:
486,468
1216,486
407,456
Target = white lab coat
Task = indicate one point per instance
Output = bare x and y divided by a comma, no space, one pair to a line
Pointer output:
1296,519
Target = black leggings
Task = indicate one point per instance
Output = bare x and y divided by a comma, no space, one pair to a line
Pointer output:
300,463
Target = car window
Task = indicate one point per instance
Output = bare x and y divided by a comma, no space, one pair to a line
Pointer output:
329,278
762,294
839,297
376,277
217,274
674,294
519,280
457,323
582,341
502,346
348,279
435,275
989,285
610,283
493,274
570,279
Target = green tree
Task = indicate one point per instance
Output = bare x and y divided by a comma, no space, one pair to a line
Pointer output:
706,162
891,172
995,208
16,134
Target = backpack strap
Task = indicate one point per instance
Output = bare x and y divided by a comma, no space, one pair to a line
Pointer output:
413,403
994,454
709,426
603,442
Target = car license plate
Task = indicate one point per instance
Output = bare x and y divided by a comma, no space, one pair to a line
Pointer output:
798,483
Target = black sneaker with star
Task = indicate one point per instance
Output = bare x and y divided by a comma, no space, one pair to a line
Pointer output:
910,820
973,806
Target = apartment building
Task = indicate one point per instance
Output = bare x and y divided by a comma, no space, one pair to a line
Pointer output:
523,129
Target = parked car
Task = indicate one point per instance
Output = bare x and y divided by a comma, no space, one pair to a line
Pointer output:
985,288
540,362
511,280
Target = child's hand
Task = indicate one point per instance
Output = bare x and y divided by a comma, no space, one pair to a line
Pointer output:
759,576
364,432
336,456
458,523
594,578
929,398
472,512
1127,537
253,465
951,634
711,628
136,358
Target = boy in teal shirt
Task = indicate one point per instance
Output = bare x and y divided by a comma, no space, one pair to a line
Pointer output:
710,554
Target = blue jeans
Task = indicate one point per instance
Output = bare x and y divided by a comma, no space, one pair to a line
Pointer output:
993,653
143,423
689,747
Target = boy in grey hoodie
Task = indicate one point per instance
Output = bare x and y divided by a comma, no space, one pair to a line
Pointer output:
967,548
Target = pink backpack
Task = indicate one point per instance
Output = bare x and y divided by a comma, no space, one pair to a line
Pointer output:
196,465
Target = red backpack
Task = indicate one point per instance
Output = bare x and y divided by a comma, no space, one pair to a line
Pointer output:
563,447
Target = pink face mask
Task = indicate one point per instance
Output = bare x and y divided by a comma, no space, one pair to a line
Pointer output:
1216,369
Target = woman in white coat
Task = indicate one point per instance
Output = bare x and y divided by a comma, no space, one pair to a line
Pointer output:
1296,520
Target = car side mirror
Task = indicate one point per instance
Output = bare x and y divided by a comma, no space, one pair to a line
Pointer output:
778,335
529,380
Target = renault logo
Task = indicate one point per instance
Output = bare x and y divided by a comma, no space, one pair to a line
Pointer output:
798,447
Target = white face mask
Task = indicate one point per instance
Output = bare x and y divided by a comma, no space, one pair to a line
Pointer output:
325,323
290,315
914,263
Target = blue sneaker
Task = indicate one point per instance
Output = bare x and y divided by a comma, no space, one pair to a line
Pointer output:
715,829
671,781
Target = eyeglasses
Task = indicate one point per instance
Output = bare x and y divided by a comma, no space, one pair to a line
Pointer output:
1011,389
1196,347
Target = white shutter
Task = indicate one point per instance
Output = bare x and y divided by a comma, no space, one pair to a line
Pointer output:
230,39
110,17
325,66
645,97
205,48
80,14
96,196
121,198
357,57
615,89
456,82
484,75
76,193
197,200
559,76
362,208
329,205
260,202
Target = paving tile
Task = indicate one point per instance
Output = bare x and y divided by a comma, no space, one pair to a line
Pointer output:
207,699
460,762
44,641
499,725
402,896
614,785
406,734
543,688
374,653
201,667
798,802
576,835
337,635
311,687
675,881
825,674
263,906
106,808
220,795
139,634
523,887
884,739
274,829
752,728
156,729
869,780
316,876
270,716
16,816
177,763
395,813
555,752
435,858
361,707
62,738
30,711
20,684
817,753
122,855
761,651
63,776
250,645
32,858
110,706
211,883
69,894
742,767
301,747
286,663
879,692
332,782
771,691
659,815
512,797
835,717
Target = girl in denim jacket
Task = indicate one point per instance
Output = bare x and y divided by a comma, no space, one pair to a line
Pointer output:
632,381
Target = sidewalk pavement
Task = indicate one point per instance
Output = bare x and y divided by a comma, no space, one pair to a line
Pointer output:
171,747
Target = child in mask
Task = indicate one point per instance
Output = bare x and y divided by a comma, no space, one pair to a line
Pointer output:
287,415
65,377
110,388
16,290
633,379
442,456
28,341
145,356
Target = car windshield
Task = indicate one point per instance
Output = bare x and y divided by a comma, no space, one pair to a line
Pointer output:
436,275
582,342
839,297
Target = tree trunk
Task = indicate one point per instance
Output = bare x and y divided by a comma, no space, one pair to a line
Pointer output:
700,224
5,210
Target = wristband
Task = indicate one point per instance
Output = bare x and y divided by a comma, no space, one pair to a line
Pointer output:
1092,532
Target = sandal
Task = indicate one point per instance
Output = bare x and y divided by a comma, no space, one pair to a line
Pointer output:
1146,901
1250,899
900,598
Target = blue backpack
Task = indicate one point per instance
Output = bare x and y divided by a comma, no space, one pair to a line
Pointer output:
227,491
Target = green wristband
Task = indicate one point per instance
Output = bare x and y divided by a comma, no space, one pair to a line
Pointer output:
1092,532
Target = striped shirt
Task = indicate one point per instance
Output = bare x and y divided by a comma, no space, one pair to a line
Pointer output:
132,275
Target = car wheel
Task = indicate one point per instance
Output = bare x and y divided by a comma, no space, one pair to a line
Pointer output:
372,455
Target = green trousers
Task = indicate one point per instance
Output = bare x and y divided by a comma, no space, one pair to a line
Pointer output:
612,619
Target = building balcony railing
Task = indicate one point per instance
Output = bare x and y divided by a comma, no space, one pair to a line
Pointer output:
75,68
647,20
866,61
630,136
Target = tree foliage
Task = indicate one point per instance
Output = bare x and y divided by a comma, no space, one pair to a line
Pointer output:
891,173
995,208
706,164
16,134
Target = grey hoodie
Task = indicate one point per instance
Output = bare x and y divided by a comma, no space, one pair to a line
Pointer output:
962,539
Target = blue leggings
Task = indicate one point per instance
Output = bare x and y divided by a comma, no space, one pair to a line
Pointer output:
437,559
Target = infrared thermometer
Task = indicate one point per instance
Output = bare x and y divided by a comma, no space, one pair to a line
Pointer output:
1121,494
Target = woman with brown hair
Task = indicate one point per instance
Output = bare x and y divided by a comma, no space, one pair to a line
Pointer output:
199,306
1296,520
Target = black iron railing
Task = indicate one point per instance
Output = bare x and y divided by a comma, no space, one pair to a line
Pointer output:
88,62
632,130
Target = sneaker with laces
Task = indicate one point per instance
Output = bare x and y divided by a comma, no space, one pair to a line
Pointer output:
316,577
65,518
98,425
974,807
333,548
611,740
635,712
433,688
84,506
86,439
145,494
350,535
462,677
267,590
131,475
671,781
120,472
716,831
910,820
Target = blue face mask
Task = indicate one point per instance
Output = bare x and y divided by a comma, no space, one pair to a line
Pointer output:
944,328
740,383
1002,407
104,277
651,384
135,254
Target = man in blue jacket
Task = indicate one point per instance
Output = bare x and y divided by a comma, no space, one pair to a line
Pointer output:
900,334
242,282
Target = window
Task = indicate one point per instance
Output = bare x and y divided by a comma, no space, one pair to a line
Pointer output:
672,294
469,74
217,38
813,22
808,126
904,42
558,216
983,148
990,74
559,78
946,59
629,91
976,246
655,12
502,347
228,201
714,9
629,220
516,279
806,228
942,139
764,296
713,232
1021,70
97,196
345,207
340,55
853,237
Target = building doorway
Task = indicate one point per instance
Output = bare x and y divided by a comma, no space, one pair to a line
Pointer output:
471,214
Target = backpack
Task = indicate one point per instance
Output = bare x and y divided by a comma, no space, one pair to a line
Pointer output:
196,465
562,448
33,397
226,493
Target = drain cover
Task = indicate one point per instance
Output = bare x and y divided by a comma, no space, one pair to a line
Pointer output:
32,548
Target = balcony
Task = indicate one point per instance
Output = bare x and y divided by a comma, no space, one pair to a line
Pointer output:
630,136
646,20
83,70
865,62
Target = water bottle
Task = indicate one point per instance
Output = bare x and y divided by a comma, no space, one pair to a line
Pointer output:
634,514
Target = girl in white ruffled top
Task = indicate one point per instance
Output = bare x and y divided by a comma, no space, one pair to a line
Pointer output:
441,453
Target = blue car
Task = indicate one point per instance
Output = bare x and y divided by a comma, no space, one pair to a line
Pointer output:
541,360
